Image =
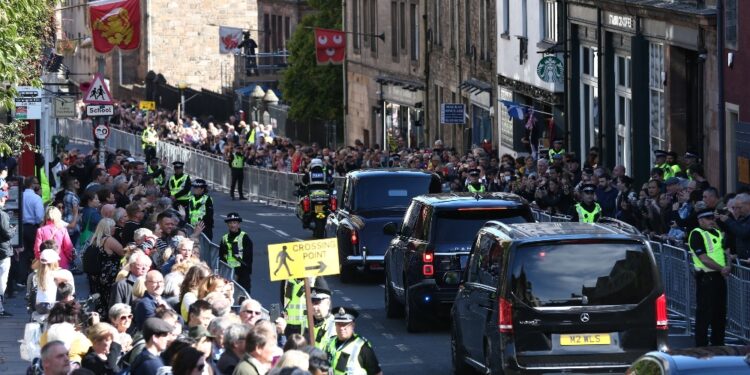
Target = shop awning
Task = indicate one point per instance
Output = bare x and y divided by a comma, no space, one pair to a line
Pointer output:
475,86
403,83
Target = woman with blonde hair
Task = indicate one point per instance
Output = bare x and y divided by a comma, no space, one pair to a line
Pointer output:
48,276
110,253
54,228
104,351
190,284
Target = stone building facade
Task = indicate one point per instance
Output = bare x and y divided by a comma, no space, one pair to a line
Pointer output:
73,23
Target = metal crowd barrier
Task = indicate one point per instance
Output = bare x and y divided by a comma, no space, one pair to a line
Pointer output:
275,187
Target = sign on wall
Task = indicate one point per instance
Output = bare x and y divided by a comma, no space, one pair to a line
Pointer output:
28,102
452,113
550,69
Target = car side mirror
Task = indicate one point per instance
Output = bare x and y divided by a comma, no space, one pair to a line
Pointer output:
390,229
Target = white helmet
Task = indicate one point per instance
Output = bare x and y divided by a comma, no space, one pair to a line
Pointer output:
316,163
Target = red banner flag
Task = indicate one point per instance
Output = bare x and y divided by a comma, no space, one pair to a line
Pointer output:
330,46
115,23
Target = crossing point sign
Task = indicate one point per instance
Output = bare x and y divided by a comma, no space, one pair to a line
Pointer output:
295,260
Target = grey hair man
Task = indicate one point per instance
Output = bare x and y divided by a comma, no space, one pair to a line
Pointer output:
234,347
55,359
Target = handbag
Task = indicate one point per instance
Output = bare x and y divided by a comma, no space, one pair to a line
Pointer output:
85,235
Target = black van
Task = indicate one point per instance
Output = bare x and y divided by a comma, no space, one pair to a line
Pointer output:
547,297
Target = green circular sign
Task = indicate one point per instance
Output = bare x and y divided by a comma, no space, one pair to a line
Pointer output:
550,69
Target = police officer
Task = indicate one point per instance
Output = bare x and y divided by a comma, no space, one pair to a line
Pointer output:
156,172
557,149
201,207
236,161
674,166
349,353
711,267
660,162
236,250
148,142
179,186
474,185
587,210
324,328
295,303
318,175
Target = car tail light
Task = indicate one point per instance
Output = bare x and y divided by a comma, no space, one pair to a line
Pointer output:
306,204
354,238
505,316
662,322
334,203
428,269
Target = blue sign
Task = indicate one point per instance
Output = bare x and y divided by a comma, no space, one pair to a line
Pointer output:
452,113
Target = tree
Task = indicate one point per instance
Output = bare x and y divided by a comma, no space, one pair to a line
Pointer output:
25,27
315,93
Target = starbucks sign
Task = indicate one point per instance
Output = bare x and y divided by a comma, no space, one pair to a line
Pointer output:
550,69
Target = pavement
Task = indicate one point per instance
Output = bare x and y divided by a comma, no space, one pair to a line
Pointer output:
397,350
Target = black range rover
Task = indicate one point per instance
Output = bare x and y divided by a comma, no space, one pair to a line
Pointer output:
548,297
424,260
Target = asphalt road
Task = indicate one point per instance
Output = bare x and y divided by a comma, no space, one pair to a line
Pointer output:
397,350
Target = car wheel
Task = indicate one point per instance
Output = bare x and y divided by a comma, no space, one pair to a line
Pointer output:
393,309
414,321
458,365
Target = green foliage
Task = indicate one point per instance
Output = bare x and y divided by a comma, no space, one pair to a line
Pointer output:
315,93
12,139
25,27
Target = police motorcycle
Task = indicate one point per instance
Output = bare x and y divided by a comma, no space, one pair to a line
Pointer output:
317,198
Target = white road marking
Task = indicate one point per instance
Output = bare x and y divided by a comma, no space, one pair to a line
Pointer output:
382,286
267,226
356,307
346,299
414,359
387,335
377,325
273,214
367,316
338,291
281,232
402,347
297,239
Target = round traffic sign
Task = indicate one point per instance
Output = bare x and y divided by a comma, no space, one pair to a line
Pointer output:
101,132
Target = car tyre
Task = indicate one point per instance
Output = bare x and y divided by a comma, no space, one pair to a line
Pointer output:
414,321
458,365
393,309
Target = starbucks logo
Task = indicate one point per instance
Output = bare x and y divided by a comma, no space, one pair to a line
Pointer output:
550,69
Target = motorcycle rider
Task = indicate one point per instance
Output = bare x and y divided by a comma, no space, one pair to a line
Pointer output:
318,176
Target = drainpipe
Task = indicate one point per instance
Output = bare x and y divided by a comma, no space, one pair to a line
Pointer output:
720,115
600,51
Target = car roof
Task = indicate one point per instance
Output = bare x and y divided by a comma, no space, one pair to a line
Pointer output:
388,172
708,359
466,199
549,231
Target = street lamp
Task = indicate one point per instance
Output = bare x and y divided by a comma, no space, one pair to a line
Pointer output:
182,86
258,94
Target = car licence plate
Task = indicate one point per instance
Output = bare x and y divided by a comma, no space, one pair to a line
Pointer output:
319,208
586,339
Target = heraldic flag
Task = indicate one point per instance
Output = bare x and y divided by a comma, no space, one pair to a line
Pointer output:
115,23
330,46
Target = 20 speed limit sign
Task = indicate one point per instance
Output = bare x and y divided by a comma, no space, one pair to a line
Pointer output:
101,132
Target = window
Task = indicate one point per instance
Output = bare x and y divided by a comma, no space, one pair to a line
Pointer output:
589,102
549,15
730,23
524,19
410,218
506,17
476,258
506,123
355,26
267,32
394,30
373,26
422,223
414,42
402,19
366,22
467,27
623,111
437,19
656,75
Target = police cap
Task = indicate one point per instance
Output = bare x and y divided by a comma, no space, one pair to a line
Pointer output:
178,164
200,183
344,314
474,172
706,213
691,155
558,141
588,188
232,216
660,153
318,293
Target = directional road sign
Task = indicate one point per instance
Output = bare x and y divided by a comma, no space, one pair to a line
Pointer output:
294,260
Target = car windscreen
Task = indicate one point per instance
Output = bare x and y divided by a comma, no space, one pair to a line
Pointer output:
461,225
581,274
387,192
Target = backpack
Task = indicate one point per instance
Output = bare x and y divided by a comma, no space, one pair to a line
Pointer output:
92,259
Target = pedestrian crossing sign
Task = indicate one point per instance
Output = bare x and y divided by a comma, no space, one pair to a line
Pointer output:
98,92
294,260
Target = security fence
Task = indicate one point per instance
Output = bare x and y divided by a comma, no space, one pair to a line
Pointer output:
279,188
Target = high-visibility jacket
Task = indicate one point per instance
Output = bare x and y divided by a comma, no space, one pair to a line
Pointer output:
714,249
295,306
585,216
667,170
157,180
238,161
44,182
231,260
351,348
176,185
146,138
675,168
552,153
324,331
251,137
197,208
472,189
